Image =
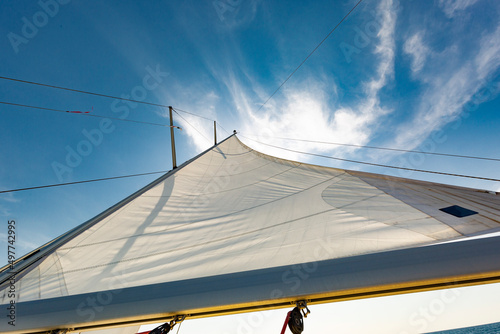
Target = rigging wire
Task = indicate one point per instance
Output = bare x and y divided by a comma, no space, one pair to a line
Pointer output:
175,110
378,165
82,91
310,54
107,96
77,182
223,128
91,115
388,149
191,113
99,116
95,94
197,115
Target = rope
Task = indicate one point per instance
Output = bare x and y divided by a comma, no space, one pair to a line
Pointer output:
379,165
388,149
91,115
77,182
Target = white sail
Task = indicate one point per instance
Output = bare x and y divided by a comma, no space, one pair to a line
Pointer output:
235,230
121,330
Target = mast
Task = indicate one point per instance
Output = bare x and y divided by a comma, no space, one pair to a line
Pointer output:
172,139
215,132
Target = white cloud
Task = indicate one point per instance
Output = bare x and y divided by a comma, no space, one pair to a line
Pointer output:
198,129
306,112
196,99
9,197
385,48
418,51
450,88
450,7
488,57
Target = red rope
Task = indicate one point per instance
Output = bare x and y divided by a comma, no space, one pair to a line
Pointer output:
286,322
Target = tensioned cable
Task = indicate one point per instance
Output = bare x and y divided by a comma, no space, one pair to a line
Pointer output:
96,94
191,125
223,128
310,54
82,91
191,113
389,149
92,115
77,182
378,165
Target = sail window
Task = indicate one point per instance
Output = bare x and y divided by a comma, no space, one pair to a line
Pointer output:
458,211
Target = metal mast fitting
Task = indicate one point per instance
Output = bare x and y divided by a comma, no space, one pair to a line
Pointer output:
172,139
168,326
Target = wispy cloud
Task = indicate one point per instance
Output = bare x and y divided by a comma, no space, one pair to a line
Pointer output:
9,197
449,88
451,7
305,110
385,48
488,58
418,51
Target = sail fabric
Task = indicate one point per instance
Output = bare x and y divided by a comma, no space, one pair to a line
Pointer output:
121,330
234,209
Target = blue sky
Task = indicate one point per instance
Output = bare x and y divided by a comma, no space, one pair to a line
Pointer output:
421,75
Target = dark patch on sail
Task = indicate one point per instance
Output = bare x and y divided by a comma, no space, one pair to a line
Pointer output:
458,211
